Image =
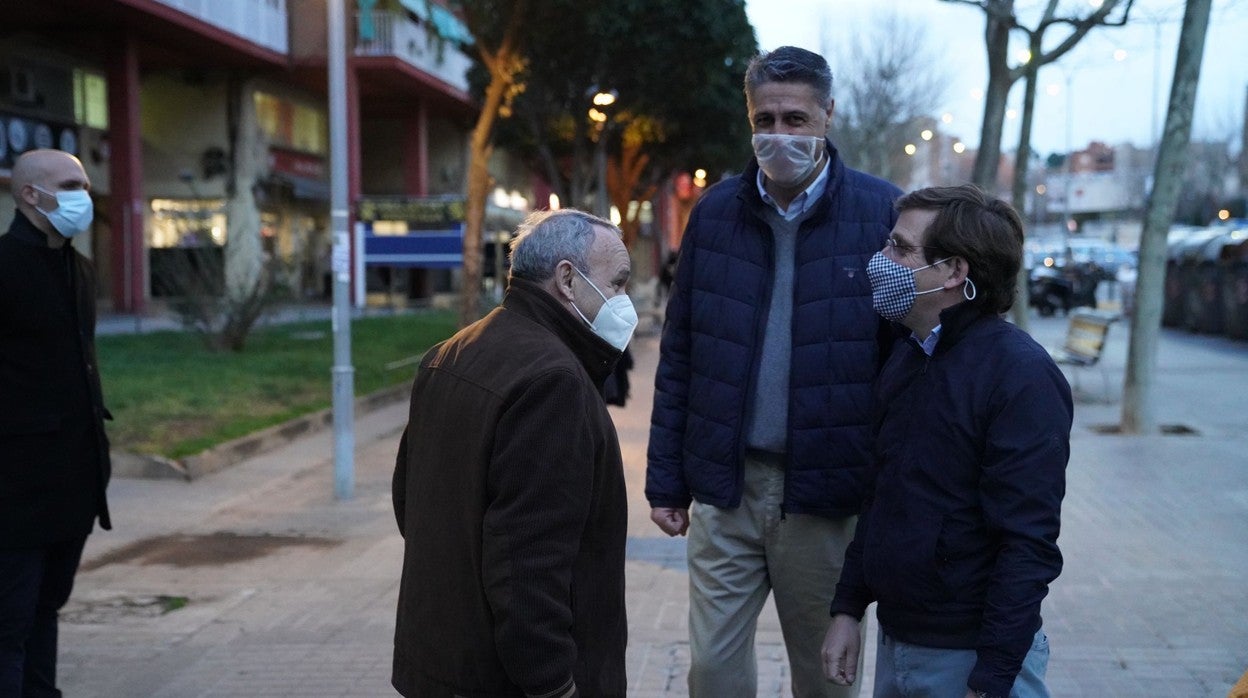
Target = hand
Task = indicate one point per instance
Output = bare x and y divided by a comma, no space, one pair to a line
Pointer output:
674,522
840,650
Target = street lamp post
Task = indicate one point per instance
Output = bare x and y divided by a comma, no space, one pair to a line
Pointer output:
343,398
598,114
1069,71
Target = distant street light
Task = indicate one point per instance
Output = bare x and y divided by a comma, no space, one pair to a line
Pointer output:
602,204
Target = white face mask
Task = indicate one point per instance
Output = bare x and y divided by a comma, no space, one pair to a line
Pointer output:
617,318
73,212
787,160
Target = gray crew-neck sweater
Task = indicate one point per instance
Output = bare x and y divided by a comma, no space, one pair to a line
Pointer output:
768,420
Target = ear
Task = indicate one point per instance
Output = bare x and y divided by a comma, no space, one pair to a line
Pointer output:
563,279
30,195
959,269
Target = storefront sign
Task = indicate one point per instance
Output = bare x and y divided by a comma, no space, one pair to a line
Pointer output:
296,164
418,213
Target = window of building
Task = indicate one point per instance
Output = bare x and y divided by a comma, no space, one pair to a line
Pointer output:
90,99
291,125
187,223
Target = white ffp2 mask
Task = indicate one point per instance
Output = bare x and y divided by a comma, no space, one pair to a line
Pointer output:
616,320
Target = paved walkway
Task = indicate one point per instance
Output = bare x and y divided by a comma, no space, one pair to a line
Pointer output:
279,590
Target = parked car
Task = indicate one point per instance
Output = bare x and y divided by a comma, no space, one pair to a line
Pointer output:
1102,256
1051,289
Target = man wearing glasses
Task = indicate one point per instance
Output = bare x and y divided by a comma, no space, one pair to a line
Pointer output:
958,541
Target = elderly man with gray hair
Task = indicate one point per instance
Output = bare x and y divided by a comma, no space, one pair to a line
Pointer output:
509,485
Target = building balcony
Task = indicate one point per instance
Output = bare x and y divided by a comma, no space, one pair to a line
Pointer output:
397,35
262,22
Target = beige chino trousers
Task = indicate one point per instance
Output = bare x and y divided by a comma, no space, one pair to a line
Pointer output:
736,558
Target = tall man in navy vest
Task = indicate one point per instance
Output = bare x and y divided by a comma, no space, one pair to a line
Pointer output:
53,452
759,437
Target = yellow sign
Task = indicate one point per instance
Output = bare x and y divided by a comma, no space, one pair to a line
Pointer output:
417,213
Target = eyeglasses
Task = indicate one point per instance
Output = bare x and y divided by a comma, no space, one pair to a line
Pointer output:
903,249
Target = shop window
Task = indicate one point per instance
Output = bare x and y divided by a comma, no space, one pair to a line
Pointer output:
187,223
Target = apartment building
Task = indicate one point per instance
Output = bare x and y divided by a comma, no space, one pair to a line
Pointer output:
203,125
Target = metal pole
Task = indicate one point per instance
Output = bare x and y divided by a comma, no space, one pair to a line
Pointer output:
343,371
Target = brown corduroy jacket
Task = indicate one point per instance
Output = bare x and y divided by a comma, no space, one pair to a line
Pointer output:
509,492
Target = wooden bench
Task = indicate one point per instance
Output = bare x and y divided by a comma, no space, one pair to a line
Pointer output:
1085,341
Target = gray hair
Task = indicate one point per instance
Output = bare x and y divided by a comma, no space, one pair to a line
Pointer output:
790,64
547,237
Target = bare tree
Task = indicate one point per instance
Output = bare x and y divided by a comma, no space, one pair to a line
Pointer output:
1138,415
1076,18
504,59
888,78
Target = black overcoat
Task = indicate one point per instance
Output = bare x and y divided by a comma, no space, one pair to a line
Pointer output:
54,464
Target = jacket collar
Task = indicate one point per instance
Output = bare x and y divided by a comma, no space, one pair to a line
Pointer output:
22,229
956,321
532,301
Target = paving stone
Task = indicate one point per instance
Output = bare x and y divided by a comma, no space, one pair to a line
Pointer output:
1151,601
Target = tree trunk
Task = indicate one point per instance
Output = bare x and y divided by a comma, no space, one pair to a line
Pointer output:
987,158
1022,165
1138,416
478,190
244,253
505,66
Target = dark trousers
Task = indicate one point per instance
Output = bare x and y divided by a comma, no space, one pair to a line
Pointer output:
34,585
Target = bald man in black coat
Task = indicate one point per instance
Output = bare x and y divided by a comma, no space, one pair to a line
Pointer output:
54,464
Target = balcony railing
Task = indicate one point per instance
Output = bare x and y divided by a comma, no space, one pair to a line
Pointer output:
261,22
397,35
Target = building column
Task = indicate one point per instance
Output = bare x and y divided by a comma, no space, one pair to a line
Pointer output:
416,151
125,174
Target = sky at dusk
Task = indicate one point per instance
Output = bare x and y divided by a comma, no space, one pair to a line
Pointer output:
1115,75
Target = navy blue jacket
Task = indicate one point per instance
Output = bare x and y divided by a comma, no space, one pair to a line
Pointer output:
712,338
958,542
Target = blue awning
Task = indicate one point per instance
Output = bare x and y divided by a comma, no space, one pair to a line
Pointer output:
444,22
430,249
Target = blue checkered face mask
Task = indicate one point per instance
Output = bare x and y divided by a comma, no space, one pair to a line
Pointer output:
892,286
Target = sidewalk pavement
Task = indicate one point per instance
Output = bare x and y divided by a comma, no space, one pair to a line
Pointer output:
255,581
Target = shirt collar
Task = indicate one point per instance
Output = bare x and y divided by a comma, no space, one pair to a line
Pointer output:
804,201
928,345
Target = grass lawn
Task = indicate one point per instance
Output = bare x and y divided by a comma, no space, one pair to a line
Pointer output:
171,396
